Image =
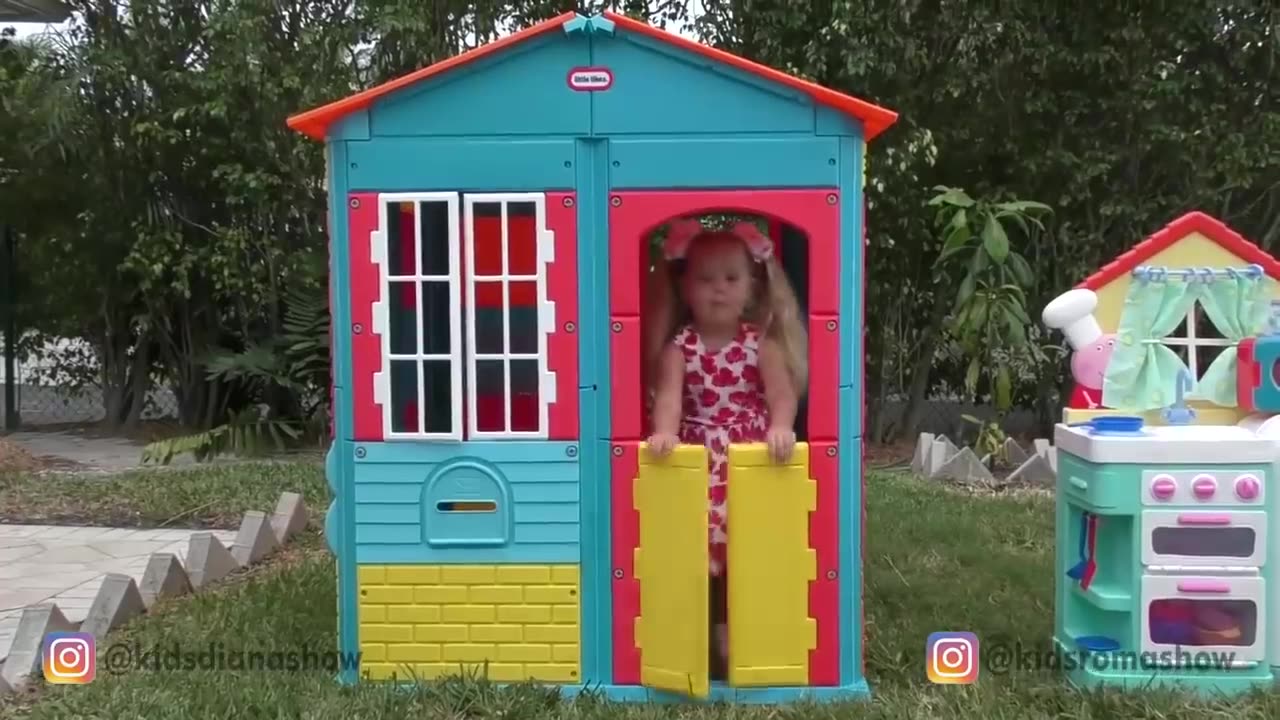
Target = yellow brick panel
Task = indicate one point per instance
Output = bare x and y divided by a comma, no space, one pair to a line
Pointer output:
413,614
523,574
525,614
513,622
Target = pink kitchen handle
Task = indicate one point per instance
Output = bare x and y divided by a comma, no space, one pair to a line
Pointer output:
1198,519
1203,586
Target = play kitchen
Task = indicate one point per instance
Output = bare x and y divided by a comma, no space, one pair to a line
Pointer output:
1162,561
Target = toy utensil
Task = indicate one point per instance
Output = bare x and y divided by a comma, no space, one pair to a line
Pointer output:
1091,566
1075,572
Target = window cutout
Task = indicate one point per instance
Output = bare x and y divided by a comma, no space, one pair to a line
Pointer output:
1205,329
1183,621
404,396
487,237
491,396
523,314
522,238
437,392
403,327
524,396
489,330
402,258
437,317
473,506
1205,355
1232,542
434,225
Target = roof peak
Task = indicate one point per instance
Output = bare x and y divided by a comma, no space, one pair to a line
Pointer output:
315,123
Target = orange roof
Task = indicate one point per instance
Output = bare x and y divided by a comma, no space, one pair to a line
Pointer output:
1193,222
315,123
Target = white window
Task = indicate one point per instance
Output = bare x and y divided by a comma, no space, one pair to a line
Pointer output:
431,311
1197,341
417,250
508,316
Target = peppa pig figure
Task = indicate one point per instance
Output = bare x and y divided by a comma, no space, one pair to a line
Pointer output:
1072,312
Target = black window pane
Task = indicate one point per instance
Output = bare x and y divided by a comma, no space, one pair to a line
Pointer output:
437,317
404,396
435,237
403,318
437,406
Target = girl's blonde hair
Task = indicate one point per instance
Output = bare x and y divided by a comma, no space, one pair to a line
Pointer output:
774,309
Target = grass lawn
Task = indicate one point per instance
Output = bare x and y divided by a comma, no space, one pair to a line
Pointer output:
936,560
214,496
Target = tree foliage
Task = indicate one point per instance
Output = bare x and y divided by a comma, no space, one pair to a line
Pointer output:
166,212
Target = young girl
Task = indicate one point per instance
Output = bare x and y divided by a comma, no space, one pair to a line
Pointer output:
733,369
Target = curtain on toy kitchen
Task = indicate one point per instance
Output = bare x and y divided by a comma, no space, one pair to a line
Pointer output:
1239,306
1142,370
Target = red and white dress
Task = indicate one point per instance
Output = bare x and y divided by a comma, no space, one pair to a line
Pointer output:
723,402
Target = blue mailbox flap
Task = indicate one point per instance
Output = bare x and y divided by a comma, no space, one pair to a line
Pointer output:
466,503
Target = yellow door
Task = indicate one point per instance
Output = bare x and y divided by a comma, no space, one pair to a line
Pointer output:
770,567
671,564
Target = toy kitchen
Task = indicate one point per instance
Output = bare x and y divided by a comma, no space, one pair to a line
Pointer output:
1164,555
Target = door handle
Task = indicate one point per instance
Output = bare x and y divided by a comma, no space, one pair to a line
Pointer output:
1079,483
1203,586
1200,519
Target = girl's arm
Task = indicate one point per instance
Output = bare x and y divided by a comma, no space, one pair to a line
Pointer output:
666,401
779,395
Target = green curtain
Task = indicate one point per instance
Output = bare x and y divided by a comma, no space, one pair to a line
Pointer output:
1142,372
1239,307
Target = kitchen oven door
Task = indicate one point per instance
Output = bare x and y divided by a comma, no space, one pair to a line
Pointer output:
1204,538
1213,622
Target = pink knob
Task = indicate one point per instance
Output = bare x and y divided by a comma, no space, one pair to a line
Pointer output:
1163,487
1247,487
1204,486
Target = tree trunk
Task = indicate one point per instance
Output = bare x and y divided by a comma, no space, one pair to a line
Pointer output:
922,368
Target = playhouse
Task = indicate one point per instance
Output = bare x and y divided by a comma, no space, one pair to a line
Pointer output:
1167,465
495,509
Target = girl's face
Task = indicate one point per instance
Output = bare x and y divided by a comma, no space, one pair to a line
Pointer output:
717,281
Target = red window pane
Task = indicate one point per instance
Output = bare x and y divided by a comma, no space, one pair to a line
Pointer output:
490,396
522,238
487,237
525,413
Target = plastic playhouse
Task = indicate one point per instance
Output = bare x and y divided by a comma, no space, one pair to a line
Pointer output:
1167,464
496,510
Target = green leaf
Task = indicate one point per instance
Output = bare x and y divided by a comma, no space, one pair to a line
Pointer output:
1021,269
1023,206
967,287
994,239
1003,389
971,374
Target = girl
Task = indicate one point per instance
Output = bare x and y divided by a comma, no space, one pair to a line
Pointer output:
732,370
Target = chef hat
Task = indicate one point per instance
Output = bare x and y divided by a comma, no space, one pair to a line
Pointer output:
1072,313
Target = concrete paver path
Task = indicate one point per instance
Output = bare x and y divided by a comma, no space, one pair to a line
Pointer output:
43,563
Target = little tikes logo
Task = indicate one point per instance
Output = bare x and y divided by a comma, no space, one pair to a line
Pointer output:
590,79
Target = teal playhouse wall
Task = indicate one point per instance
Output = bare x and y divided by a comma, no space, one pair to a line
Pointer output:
617,127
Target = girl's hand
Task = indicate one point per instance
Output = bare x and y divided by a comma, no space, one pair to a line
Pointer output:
661,444
781,442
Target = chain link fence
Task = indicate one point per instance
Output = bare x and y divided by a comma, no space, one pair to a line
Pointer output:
43,400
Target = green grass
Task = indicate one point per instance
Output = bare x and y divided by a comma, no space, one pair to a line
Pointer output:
935,560
214,496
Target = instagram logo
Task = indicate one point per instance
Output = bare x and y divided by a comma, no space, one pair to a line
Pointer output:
952,658
69,658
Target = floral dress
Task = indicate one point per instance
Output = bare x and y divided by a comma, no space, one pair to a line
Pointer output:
723,402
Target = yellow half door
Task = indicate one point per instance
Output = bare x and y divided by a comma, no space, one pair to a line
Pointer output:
770,567
672,565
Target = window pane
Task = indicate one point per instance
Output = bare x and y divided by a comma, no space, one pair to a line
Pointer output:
437,317
434,220
404,396
524,396
491,396
1205,355
1204,325
489,306
522,238
402,259
524,328
403,318
437,386
487,234
1180,331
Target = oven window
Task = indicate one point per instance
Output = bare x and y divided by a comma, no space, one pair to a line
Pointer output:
1227,542
1181,621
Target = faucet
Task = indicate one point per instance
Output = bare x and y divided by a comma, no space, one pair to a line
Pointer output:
1179,413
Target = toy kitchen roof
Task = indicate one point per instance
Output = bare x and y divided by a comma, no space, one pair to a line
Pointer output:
1189,224
874,119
